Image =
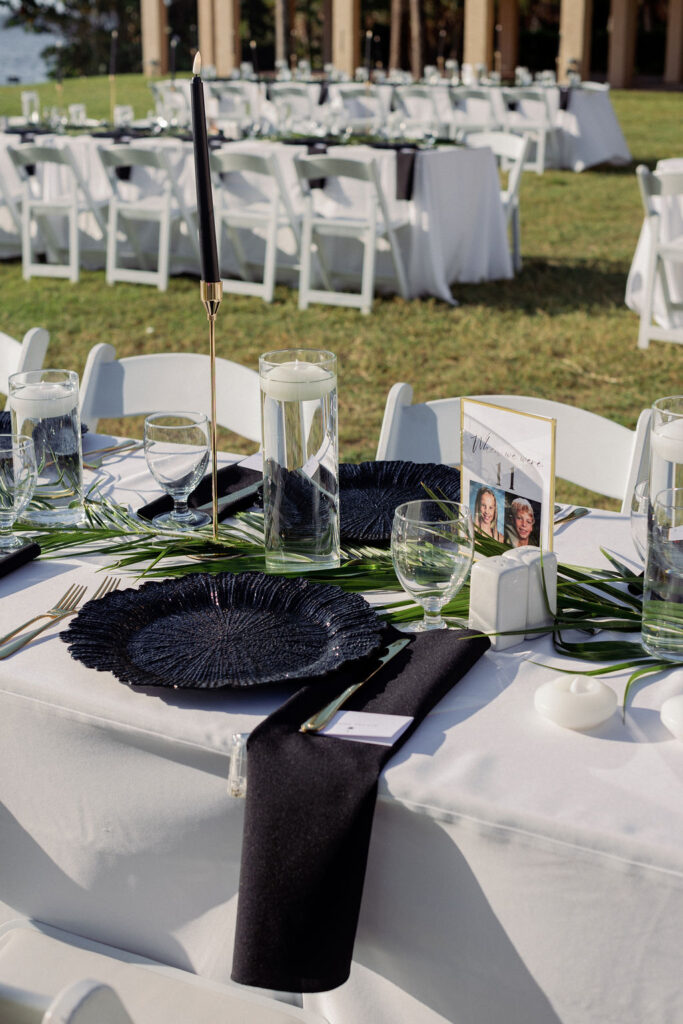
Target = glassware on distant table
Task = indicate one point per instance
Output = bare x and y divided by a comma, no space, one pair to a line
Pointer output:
432,545
666,444
177,453
44,405
662,626
17,480
300,459
640,503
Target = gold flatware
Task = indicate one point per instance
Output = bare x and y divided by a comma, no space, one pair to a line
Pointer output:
105,453
318,721
109,584
65,604
575,513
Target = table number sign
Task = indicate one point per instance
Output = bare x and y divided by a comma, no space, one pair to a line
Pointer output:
508,473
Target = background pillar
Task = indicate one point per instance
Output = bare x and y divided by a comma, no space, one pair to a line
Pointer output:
478,44
508,19
622,43
205,32
673,62
154,37
227,43
346,35
575,37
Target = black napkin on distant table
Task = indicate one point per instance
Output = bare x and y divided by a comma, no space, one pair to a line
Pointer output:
405,166
15,559
309,810
231,480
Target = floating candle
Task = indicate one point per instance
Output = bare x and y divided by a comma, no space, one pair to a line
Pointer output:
575,702
672,715
297,382
44,400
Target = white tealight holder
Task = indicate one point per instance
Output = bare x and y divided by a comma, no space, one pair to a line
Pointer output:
542,593
671,715
498,600
576,702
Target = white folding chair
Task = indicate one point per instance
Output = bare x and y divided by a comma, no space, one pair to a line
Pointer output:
10,201
473,110
138,385
369,227
127,216
292,101
172,102
49,976
362,106
241,206
590,451
529,113
511,152
73,202
17,356
232,99
418,102
656,188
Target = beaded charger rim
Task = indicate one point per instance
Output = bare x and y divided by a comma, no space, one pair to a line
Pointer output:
225,630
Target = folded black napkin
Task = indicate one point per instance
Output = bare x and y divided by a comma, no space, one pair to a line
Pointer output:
15,559
232,480
310,804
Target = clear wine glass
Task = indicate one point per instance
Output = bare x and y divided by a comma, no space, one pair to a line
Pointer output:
432,545
18,474
177,453
640,503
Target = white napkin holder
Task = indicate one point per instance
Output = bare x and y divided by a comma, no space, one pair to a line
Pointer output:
541,605
498,599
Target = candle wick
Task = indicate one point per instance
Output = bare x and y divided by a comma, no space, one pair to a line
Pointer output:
197,63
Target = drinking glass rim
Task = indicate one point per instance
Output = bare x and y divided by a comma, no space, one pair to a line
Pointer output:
29,377
266,357
462,508
677,501
199,419
16,441
668,398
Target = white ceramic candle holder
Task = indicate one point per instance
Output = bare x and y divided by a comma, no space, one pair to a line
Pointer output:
498,599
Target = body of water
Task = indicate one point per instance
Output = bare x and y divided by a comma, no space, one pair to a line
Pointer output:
20,55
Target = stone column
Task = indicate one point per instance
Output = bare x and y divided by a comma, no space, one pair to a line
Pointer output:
622,43
154,37
673,62
346,35
575,37
227,51
205,31
508,19
478,44
395,33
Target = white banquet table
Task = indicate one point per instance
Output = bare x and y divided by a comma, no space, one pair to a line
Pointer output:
517,872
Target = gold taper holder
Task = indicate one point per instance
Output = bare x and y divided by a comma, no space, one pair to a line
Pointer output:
211,293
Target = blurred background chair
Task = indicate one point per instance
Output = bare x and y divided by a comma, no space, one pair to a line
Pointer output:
262,209
127,216
70,201
529,113
511,152
590,451
27,354
368,222
662,250
112,388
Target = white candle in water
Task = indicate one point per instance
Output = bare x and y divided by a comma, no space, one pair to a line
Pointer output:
297,382
667,442
575,702
43,401
672,715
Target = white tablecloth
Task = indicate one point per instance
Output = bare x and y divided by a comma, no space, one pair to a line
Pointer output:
518,873
671,226
456,229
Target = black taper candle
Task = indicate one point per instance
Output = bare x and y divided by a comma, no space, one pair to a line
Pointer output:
207,227
112,52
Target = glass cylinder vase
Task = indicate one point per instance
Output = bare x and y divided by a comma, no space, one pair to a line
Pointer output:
300,459
44,407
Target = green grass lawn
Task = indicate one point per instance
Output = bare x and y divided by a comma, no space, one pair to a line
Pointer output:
559,330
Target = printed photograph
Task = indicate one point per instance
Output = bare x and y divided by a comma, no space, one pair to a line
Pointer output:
522,521
487,505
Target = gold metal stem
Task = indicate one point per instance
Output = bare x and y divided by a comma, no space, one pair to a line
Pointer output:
211,293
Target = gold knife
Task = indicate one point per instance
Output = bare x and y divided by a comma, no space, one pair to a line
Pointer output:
318,721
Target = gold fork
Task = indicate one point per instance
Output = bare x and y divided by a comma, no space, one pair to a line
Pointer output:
65,604
109,584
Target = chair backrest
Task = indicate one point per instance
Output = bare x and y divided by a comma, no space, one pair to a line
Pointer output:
417,100
27,354
533,100
227,162
113,157
315,167
138,385
657,183
87,1002
511,152
33,155
590,450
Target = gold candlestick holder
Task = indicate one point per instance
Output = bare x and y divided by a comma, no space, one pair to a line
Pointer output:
211,293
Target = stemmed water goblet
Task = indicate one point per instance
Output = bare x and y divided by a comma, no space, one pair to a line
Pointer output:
432,546
18,474
177,454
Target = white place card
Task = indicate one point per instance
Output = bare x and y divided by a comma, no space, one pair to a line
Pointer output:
366,727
